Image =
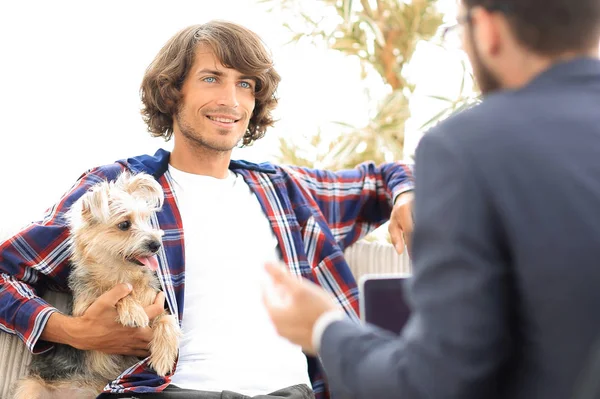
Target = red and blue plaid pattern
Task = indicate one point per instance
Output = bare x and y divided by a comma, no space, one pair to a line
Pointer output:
314,214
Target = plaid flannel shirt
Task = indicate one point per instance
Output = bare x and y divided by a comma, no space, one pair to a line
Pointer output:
314,214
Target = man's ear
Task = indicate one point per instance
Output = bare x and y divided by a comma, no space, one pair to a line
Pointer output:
142,186
95,207
488,28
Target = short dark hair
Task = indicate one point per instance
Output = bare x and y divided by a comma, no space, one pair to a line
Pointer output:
236,47
550,27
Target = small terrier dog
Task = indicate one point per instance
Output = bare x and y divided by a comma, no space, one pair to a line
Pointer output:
112,242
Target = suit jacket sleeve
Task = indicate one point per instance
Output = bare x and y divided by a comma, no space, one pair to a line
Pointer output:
457,338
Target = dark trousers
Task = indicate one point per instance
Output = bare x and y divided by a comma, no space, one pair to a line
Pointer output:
301,391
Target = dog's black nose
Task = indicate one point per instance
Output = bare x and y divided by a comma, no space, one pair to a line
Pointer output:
153,245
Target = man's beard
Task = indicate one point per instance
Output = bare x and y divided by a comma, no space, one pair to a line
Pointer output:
487,82
196,139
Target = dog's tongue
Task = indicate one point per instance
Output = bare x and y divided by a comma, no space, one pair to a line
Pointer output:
151,262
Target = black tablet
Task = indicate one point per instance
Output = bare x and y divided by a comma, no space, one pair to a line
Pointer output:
382,301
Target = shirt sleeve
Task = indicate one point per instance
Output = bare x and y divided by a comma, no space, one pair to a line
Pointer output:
355,201
37,259
322,323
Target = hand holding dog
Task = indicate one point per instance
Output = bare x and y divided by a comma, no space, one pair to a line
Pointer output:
109,329
98,328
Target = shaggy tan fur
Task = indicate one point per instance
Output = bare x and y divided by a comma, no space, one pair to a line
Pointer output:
112,242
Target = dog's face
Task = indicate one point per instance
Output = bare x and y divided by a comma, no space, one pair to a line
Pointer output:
110,224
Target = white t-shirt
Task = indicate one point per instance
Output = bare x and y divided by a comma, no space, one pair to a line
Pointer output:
229,342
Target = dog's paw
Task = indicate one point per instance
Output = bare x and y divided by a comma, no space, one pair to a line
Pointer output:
164,345
131,314
162,362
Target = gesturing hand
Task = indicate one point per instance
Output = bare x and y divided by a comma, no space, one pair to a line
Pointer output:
295,305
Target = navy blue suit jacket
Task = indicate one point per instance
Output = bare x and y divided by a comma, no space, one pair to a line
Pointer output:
506,287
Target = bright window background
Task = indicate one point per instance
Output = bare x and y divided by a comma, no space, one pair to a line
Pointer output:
70,74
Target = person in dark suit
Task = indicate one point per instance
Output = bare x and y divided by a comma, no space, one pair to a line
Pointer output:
505,295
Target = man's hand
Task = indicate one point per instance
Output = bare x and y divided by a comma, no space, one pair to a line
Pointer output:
294,306
401,222
97,328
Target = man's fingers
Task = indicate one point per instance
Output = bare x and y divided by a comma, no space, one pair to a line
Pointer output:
397,236
401,223
114,295
160,299
406,221
408,241
141,353
268,302
274,309
143,336
157,308
279,274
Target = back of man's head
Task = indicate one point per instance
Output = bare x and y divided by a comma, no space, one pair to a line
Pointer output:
549,27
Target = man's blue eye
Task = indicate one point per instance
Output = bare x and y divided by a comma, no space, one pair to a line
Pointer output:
246,85
210,79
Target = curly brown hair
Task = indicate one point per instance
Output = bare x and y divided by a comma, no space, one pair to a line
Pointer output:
236,47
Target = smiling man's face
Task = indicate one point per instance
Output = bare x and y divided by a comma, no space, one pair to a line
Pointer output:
216,104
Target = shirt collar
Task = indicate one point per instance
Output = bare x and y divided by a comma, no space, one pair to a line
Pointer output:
578,68
157,164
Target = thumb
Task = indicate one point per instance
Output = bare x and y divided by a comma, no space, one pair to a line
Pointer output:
115,294
157,308
279,274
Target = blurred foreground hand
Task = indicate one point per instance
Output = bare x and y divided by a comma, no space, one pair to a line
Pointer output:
295,305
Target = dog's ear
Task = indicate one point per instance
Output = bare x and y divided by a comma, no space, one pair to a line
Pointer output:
142,186
95,204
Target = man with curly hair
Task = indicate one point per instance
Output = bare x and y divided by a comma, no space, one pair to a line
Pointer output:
209,88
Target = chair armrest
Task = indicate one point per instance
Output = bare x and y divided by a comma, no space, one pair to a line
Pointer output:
14,354
365,257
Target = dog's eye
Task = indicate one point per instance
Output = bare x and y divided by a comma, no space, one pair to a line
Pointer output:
124,225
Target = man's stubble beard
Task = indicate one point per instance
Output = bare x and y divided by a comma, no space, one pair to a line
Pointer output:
196,139
486,80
